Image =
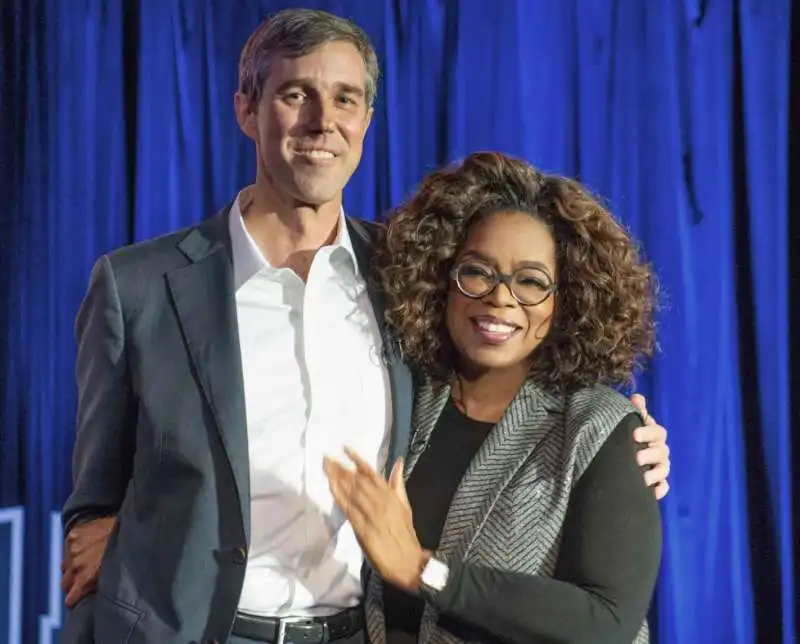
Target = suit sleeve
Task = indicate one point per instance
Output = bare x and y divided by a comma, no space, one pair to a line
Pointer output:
606,571
106,419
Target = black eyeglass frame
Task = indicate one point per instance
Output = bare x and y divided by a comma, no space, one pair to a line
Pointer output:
502,278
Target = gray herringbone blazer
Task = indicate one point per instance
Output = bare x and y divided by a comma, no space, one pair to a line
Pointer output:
509,509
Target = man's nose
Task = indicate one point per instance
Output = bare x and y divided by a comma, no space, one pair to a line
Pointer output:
322,115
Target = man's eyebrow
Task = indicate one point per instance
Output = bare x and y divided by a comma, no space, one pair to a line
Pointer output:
304,82
293,82
351,89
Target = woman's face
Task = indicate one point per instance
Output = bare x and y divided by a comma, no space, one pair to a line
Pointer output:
495,331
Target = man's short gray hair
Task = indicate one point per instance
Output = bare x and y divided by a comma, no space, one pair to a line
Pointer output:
292,33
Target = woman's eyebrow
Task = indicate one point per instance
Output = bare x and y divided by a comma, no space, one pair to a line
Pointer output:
474,254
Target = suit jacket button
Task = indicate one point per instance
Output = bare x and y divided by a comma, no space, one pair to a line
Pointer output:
240,556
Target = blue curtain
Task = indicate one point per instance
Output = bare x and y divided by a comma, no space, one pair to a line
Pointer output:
117,125
63,177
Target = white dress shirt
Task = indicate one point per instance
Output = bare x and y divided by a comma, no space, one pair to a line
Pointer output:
313,382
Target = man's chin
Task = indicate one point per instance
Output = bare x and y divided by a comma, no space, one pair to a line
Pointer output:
316,201
317,195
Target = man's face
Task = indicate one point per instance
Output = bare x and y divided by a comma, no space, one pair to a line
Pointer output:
310,124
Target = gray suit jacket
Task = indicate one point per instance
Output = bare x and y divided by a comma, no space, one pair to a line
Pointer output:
162,440
509,509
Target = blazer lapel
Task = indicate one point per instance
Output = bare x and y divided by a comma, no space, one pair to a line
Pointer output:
203,293
510,443
428,404
363,238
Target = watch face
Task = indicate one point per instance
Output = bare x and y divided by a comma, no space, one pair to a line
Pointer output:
434,575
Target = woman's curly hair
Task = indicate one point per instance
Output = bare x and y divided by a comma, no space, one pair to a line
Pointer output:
603,323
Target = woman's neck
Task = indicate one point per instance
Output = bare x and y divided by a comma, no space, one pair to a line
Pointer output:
485,395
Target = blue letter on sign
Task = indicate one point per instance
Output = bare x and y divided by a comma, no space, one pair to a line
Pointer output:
11,553
50,623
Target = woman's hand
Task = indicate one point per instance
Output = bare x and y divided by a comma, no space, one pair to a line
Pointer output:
656,454
381,518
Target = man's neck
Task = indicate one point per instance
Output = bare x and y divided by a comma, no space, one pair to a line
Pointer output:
290,236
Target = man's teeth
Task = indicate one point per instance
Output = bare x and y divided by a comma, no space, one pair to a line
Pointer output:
494,327
317,154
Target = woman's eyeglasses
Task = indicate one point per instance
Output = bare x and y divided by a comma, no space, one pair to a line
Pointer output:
528,286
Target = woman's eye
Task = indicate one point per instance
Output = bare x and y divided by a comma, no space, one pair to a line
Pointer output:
475,270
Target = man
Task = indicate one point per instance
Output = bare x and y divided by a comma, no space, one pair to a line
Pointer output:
218,365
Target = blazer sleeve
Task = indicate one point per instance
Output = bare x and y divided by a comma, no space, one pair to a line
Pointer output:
606,570
106,418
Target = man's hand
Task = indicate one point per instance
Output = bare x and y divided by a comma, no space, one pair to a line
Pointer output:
84,548
656,454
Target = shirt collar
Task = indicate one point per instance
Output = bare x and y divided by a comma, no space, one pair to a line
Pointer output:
247,257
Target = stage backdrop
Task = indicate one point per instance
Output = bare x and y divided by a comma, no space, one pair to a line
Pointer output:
117,125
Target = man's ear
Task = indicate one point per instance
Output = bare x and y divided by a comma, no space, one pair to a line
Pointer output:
246,115
370,111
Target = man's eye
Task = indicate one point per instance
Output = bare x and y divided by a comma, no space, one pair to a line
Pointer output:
347,100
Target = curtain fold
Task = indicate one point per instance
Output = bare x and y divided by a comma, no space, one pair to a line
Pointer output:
764,62
676,113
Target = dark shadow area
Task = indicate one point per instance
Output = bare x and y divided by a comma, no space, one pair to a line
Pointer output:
764,556
794,280
130,89
13,99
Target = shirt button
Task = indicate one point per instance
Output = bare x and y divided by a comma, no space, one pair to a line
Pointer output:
240,556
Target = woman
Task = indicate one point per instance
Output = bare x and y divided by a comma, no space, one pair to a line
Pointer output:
521,515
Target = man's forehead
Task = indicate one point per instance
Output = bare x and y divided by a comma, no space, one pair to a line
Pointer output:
341,58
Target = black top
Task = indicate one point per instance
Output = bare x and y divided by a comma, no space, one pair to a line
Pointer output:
605,579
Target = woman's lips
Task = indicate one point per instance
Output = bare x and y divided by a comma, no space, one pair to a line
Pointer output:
493,330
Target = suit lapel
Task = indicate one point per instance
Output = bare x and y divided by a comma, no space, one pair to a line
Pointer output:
511,442
363,239
203,293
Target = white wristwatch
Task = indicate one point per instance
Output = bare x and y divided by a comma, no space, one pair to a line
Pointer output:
434,574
